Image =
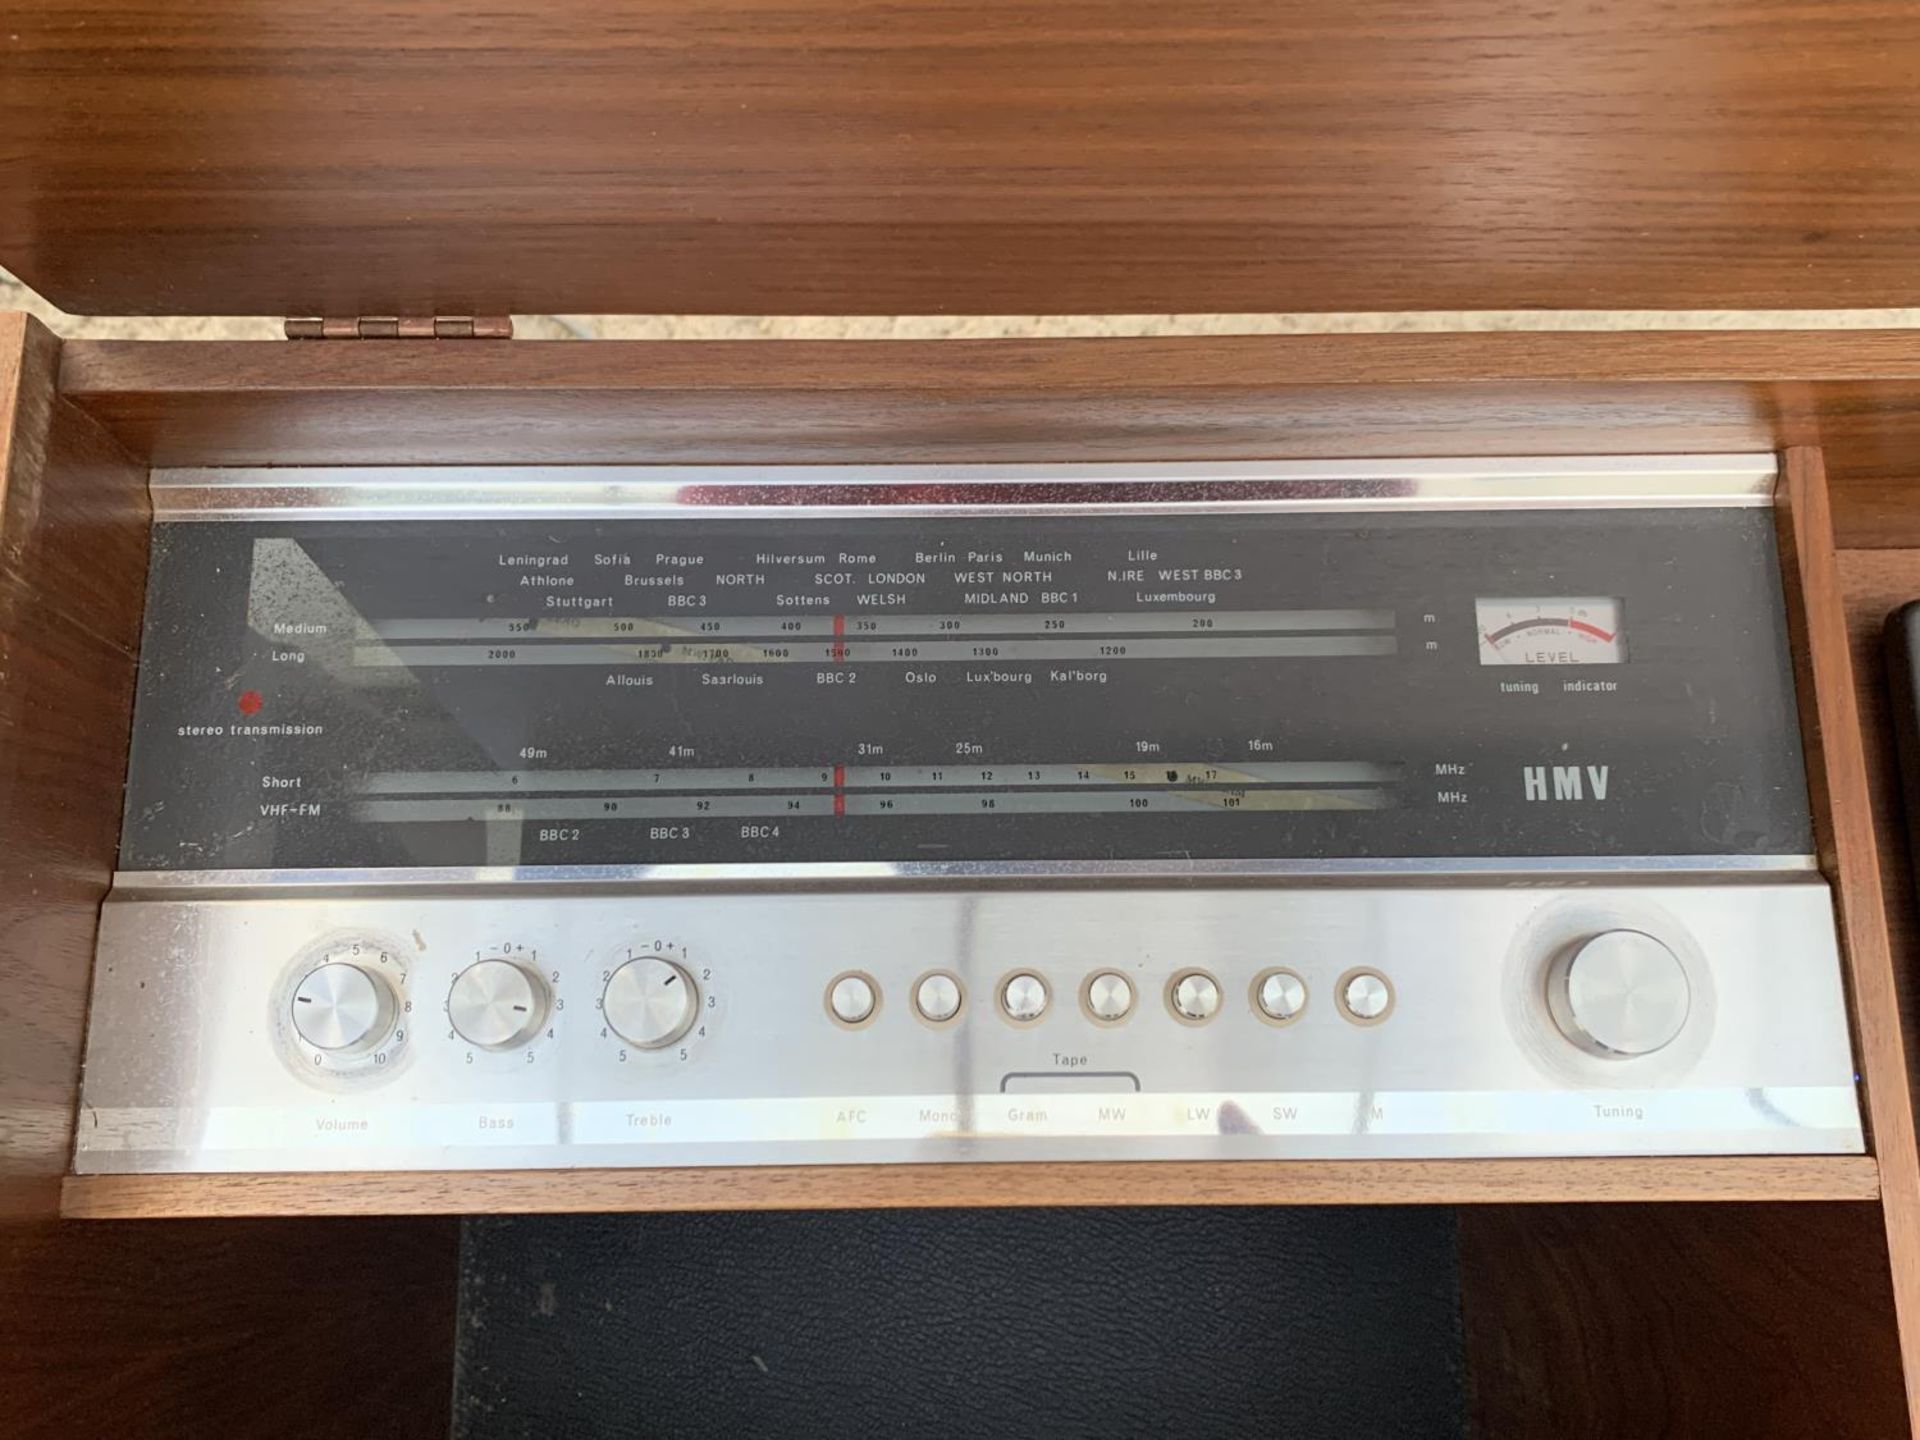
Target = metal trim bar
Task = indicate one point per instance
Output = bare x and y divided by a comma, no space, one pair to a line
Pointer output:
136,884
628,491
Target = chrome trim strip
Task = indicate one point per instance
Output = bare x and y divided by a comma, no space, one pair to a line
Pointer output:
482,492
133,884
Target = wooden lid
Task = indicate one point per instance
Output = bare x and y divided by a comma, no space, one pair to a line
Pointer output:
341,157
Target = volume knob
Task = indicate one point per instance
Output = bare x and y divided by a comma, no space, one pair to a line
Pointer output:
650,1002
341,1007
1620,994
496,1004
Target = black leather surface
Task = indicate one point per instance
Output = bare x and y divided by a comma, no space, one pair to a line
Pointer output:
1299,1323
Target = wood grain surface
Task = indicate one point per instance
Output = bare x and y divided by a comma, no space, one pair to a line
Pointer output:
799,156
237,1329
1845,834
72,579
1856,393
789,1187
1877,582
1766,1322
227,1328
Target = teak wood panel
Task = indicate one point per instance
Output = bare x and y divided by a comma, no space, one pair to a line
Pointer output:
306,1328
72,578
1603,1322
1877,582
1854,393
228,1330
780,1187
1849,845
344,157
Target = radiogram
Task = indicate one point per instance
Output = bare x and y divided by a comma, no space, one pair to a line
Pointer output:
493,818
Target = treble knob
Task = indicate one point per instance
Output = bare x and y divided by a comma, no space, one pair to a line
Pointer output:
650,1002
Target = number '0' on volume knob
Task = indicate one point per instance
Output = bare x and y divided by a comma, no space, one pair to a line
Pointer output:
496,1004
650,1002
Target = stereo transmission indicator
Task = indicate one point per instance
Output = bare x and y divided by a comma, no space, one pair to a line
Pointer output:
1583,631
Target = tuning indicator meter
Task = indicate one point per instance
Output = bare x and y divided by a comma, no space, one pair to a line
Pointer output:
1551,631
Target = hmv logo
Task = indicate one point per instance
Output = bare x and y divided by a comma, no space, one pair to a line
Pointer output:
1567,782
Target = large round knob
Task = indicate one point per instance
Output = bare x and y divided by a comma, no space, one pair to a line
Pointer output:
342,1007
650,1002
1620,994
496,1004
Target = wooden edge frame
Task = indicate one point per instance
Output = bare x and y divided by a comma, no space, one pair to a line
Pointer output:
1268,1182
1850,856
1848,843
73,554
268,1327
1275,1182
1855,393
1494,1187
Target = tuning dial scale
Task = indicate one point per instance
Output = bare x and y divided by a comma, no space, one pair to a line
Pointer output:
343,1009
656,1002
503,1008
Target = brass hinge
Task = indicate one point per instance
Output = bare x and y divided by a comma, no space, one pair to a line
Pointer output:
404,327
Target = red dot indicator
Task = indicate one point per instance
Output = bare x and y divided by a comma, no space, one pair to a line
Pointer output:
251,701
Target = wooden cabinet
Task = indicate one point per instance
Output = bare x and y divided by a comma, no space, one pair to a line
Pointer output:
312,160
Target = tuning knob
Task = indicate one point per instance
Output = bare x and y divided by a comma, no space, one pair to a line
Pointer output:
650,1002
342,1008
496,1004
1620,994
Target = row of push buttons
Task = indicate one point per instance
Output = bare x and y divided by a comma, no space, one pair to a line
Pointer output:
1363,996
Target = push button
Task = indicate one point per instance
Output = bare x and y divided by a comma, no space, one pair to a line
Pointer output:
1279,996
852,998
1023,997
1194,996
1366,996
1108,996
937,997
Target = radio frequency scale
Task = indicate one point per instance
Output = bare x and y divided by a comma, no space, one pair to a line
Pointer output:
583,817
